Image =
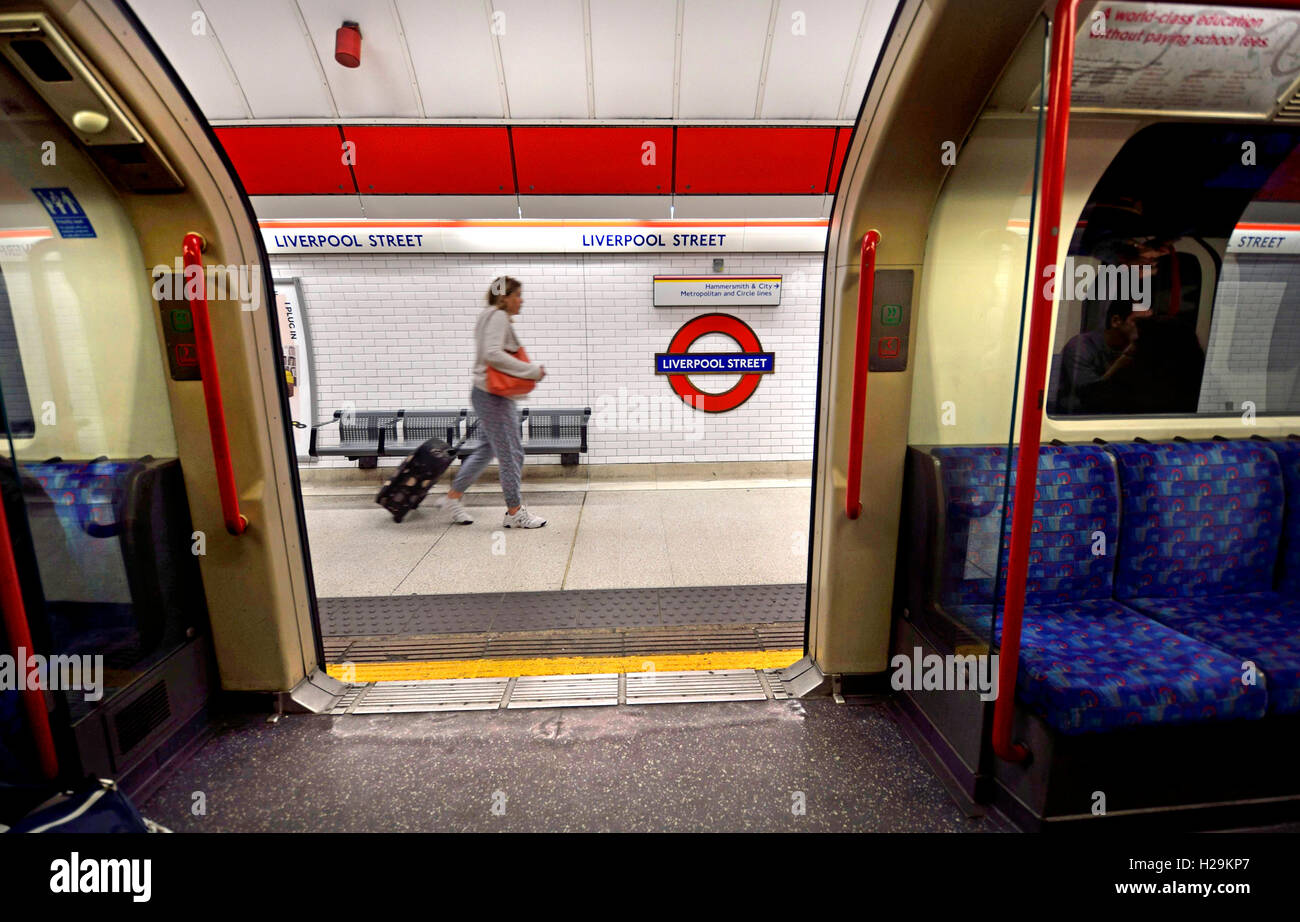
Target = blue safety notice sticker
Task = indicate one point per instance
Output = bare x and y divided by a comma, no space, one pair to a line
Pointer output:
66,211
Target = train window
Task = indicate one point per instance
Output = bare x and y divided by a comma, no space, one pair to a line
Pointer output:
15,403
1181,288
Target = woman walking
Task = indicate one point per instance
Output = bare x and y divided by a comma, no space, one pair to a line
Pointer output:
494,345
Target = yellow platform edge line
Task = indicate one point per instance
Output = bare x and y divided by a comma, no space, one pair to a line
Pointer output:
561,665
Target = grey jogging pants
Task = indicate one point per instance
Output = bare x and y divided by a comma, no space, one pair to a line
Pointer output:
499,424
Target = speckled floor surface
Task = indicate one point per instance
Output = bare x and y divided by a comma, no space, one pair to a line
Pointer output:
693,768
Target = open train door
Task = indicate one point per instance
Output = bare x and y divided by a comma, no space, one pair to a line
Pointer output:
151,495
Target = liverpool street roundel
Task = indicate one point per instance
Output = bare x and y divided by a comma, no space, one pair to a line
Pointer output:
751,363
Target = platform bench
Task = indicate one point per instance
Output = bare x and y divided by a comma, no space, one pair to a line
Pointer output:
366,435
360,435
543,431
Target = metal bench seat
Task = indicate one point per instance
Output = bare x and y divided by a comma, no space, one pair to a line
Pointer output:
418,426
360,435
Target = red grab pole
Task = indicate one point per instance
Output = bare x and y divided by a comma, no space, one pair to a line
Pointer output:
192,248
20,639
861,357
1031,404
1064,27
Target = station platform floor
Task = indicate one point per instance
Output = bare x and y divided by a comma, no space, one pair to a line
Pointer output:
720,767
686,571
601,538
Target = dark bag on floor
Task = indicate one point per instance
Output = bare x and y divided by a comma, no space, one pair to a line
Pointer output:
416,476
94,807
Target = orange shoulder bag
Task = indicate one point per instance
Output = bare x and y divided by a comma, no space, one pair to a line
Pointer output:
504,385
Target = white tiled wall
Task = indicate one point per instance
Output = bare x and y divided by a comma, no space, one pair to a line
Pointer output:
1254,348
397,331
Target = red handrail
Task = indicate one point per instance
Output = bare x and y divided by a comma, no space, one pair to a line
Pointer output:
20,643
861,357
1032,401
193,248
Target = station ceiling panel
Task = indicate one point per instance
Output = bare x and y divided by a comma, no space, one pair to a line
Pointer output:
268,55
723,53
544,56
774,61
384,85
633,57
799,82
454,58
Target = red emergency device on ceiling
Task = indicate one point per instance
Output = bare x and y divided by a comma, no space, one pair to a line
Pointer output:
347,45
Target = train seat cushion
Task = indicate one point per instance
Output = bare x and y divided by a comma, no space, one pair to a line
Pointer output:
1076,509
86,495
1262,628
1096,665
1199,518
1288,455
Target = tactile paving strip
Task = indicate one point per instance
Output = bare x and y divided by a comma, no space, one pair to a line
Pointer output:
749,604
574,642
465,613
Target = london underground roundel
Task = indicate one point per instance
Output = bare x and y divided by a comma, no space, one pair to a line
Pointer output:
678,363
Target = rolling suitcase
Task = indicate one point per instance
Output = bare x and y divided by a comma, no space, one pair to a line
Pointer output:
416,476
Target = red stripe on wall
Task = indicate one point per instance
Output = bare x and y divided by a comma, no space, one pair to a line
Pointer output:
432,159
564,160
752,161
288,160
548,160
842,138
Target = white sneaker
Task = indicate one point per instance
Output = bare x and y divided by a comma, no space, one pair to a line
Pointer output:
523,519
458,514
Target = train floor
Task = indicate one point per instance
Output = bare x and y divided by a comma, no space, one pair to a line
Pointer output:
759,766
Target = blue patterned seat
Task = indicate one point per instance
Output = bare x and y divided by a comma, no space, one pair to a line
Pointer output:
1288,455
1263,627
1094,665
1202,522
1087,663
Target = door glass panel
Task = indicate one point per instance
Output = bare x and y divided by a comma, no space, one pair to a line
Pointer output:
92,489
975,294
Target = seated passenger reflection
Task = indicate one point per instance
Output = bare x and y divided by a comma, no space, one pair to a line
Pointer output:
1094,361
1141,361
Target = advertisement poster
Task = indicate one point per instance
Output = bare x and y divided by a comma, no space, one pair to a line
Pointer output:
1165,58
296,361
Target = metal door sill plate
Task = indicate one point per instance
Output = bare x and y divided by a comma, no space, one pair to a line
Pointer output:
556,691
